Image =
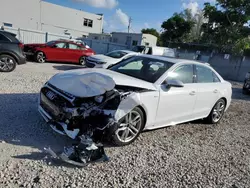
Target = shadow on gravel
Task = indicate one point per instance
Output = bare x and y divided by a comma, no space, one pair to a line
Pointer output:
237,94
22,125
67,67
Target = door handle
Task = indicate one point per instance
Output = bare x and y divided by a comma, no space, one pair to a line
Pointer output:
192,93
215,91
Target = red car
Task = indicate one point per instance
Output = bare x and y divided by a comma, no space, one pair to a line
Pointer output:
58,50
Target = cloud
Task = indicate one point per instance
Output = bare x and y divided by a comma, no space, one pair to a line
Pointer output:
122,17
118,22
100,3
146,25
192,5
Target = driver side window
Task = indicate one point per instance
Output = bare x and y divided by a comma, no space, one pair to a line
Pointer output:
184,73
61,45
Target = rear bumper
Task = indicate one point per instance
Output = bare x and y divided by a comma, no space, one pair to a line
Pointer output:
21,60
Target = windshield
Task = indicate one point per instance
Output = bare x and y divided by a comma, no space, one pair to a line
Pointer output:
50,43
116,54
147,69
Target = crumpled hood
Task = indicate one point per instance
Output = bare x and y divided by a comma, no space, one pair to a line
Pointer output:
35,45
94,82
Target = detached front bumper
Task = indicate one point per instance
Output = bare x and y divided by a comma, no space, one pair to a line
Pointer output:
57,126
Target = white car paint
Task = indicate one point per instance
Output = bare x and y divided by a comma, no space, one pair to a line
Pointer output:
103,61
163,107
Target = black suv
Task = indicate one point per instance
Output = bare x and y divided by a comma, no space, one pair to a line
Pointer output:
246,86
11,51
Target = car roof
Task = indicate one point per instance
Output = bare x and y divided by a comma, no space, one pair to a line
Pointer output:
174,60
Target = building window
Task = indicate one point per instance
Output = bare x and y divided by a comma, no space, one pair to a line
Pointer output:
96,38
7,24
88,22
115,40
135,42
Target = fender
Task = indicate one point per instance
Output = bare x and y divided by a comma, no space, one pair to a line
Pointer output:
11,53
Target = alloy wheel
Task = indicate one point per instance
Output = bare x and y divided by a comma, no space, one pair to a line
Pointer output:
6,63
40,57
129,127
82,61
218,111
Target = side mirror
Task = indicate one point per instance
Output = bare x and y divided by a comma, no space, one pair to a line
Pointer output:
173,83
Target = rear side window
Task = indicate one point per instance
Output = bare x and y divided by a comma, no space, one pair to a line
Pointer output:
3,38
184,73
205,75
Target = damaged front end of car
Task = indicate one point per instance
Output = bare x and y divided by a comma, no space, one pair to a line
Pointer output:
88,118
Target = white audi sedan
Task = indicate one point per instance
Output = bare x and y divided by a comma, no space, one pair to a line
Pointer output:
106,60
140,93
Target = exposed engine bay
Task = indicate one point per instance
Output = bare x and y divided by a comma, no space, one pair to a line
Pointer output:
88,119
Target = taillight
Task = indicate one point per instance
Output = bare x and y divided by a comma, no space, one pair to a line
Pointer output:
21,45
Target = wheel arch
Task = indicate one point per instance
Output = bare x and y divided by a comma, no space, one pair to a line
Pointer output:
10,54
42,52
144,115
224,98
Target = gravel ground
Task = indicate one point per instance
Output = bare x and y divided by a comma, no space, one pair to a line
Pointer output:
187,155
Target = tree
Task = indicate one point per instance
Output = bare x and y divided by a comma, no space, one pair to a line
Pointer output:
226,24
175,28
154,32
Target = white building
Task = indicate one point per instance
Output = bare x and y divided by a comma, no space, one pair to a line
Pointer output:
47,17
134,39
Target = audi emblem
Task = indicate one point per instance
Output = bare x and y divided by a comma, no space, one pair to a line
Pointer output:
51,95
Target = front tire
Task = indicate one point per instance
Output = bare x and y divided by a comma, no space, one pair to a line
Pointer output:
40,57
82,60
129,128
217,112
7,63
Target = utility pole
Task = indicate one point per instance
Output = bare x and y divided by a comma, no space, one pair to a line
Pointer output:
129,24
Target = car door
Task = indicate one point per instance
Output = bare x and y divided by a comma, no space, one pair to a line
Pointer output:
208,90
56,52
176,104
74,53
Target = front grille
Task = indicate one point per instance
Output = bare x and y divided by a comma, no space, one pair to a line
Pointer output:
57,99
68,95
49,107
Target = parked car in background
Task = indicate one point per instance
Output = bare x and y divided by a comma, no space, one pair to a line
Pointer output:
155,50
139,93
109,59
11,51
58,50
246,86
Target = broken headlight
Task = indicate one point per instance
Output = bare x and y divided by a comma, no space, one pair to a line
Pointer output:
99,99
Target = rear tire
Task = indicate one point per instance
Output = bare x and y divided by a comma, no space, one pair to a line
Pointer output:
217,112
7,63
129,128
40,57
